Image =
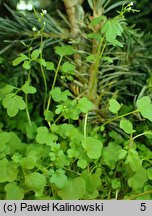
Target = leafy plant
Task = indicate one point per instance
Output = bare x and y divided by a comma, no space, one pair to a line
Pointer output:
51,149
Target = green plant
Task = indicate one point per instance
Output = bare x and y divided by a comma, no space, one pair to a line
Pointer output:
54,152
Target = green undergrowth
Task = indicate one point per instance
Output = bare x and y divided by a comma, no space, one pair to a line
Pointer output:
48,147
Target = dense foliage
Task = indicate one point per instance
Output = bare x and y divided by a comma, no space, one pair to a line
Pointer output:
75,100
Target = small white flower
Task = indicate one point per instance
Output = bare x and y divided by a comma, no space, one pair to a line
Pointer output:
34,29
131,3
44,12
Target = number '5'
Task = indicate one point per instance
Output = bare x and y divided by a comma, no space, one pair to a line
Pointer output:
143,206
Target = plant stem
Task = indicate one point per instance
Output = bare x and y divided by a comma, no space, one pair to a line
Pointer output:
85,125
141,194
54,81
139,135
27,110
118,117
42,69
94,71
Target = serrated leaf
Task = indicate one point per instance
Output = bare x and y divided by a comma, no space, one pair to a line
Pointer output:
114,106
41,62
74,189
64,50
96,36
112,28
27,89
13,191
127,126
36,182
68,68
26,65
50,66
91,58
93,147
97,20
35,54
19,59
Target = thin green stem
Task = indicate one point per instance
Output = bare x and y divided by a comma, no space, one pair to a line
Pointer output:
97,62
141,194
45,86
57,118
42,69
118,117
142,134
85,125
54,81
27,110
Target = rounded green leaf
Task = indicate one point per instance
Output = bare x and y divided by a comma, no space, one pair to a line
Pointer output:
44,136
64,50
13,103
8,171
138,180
110,154
82,163
102,128
127,126
116,184
35,54
59,179
27,89
36,182
74,189
49,66
84,105
48,115
68,68
14,192
93,181
29,162
19,59
26,65
145,107
93,147
114,106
